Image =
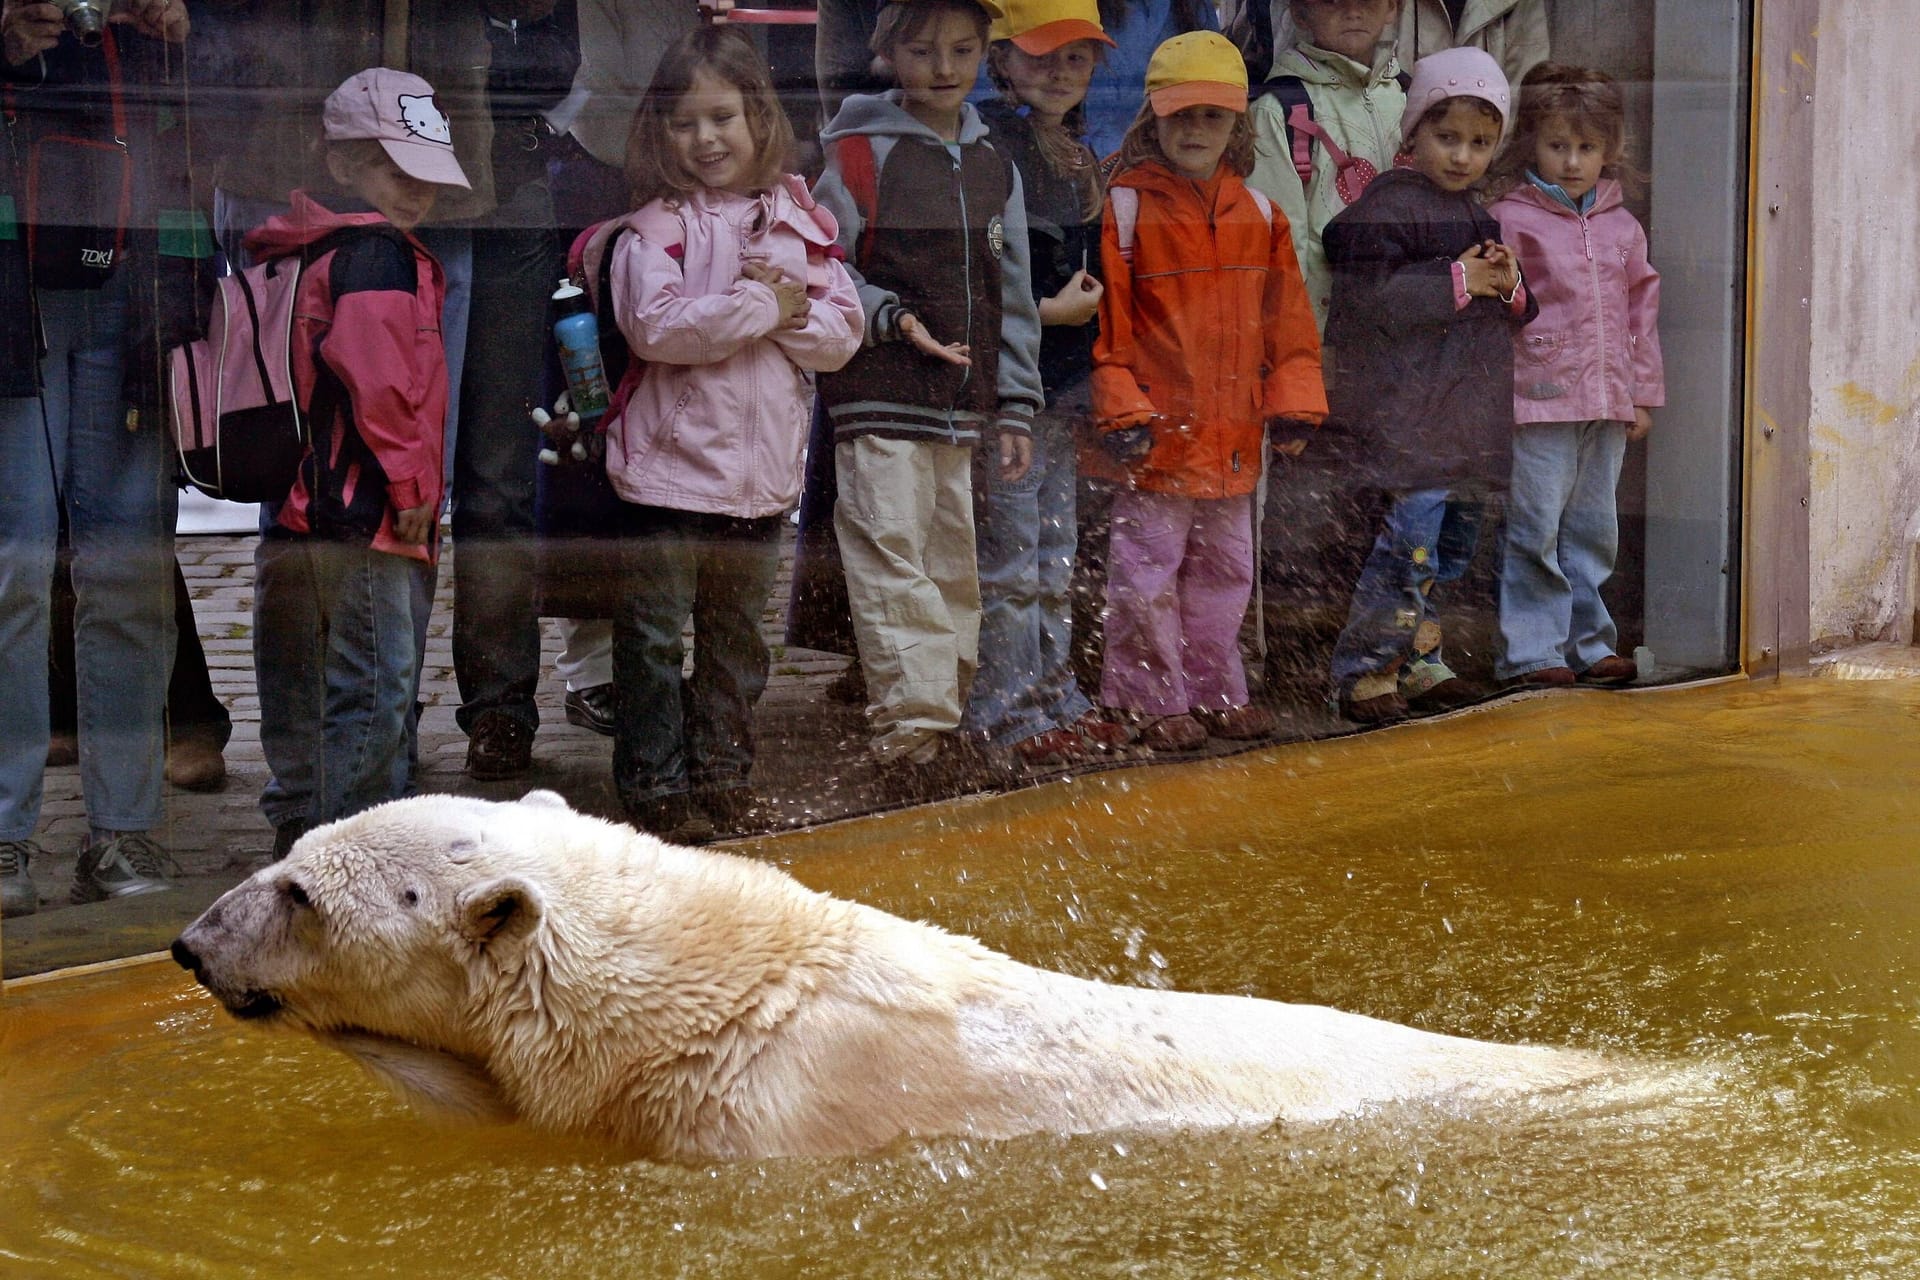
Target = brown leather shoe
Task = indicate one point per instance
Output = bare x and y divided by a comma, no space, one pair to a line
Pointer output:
1612,669
63,749
194,763
1239,723
1545,678
1174,734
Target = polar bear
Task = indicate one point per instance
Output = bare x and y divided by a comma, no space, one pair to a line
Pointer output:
519,960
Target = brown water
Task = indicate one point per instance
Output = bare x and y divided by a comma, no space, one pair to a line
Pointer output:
1722,878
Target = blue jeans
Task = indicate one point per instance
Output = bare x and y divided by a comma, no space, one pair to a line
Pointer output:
673,735
496,627
1561,539
119,503
1428,536
1024,684
334,653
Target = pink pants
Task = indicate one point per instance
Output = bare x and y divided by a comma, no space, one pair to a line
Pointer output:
1179,574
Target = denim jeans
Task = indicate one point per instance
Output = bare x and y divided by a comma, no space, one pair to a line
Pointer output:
1024,684
1561,539
1428,536
1179,575
119,501
334,652
673,734
496,626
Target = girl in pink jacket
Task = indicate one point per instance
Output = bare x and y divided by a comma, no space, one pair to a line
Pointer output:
729,288
1586,373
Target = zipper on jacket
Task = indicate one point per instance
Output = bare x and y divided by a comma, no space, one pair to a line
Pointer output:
957,166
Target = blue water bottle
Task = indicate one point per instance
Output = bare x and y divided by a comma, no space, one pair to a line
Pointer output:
577,334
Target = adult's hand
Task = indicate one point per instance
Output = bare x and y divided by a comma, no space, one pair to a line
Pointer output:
161,19
29,30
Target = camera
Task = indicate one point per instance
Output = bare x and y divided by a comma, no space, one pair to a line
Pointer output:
86,19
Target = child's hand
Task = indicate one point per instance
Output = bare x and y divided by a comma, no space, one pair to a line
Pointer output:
414,524
952,352
791,294
1016,457
1077,302
1484,271
1642,423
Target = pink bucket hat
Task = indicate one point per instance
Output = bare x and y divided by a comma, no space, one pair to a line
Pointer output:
397,110
1457,73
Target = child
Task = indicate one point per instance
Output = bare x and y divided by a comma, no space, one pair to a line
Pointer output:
932,222
1024,695
1205,338
333,634
1349,82
728,289
1425,301
1587,375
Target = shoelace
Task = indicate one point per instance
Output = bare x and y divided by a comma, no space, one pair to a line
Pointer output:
14,855
145,855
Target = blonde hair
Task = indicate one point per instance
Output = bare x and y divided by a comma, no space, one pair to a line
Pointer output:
1589,101
1142,143
652,169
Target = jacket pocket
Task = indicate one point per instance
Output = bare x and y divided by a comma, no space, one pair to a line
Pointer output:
1542,348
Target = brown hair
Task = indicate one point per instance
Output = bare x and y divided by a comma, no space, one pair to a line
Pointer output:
1060,145
652,171
902,20
1588,100
1142,144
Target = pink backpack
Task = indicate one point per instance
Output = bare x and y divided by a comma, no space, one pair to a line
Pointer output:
239,429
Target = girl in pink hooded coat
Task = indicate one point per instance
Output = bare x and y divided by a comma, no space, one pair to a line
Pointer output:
731,291
1586,376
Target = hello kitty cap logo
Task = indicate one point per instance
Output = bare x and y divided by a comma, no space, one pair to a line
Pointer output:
396,109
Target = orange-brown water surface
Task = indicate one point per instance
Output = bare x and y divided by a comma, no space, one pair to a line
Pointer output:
1724,880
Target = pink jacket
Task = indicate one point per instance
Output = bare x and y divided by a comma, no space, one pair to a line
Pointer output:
719,421
1594,352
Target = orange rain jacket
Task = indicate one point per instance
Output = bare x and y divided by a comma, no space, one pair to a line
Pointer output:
1205,333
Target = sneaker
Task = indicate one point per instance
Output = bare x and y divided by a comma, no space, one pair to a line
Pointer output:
591,708
18,897
1428,684
1173,734
500,747
63,749
1374,699
1612,669
1051,749
1239,723
195,763
1101,735
673,818
128,865
1545,678
735,811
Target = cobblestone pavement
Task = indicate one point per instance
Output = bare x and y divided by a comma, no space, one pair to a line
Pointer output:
811,766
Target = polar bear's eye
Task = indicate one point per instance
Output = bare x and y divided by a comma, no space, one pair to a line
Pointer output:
297,895
411,897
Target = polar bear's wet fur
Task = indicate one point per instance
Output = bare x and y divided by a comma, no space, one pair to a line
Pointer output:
520,961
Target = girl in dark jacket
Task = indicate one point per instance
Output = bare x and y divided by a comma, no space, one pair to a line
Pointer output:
1419,365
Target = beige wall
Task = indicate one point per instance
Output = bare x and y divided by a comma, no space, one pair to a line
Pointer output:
1864,428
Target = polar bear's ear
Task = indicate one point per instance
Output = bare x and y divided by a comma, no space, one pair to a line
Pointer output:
547,799
499,911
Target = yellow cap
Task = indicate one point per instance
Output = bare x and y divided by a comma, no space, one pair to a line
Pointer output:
1038,27
1198,69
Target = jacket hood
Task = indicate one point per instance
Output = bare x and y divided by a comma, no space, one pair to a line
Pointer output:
307,221
881,113
787,202
1155,175
1606,195
1315,65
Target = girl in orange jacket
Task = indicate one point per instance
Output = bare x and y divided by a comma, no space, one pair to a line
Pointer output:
1206,340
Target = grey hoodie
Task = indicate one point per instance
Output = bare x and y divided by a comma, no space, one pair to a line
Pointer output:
959,265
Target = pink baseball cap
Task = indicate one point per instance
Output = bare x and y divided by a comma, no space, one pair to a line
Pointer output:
397,110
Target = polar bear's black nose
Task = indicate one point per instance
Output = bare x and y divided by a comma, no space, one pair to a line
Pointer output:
184,956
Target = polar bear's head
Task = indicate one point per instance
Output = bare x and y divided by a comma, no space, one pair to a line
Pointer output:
378,933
